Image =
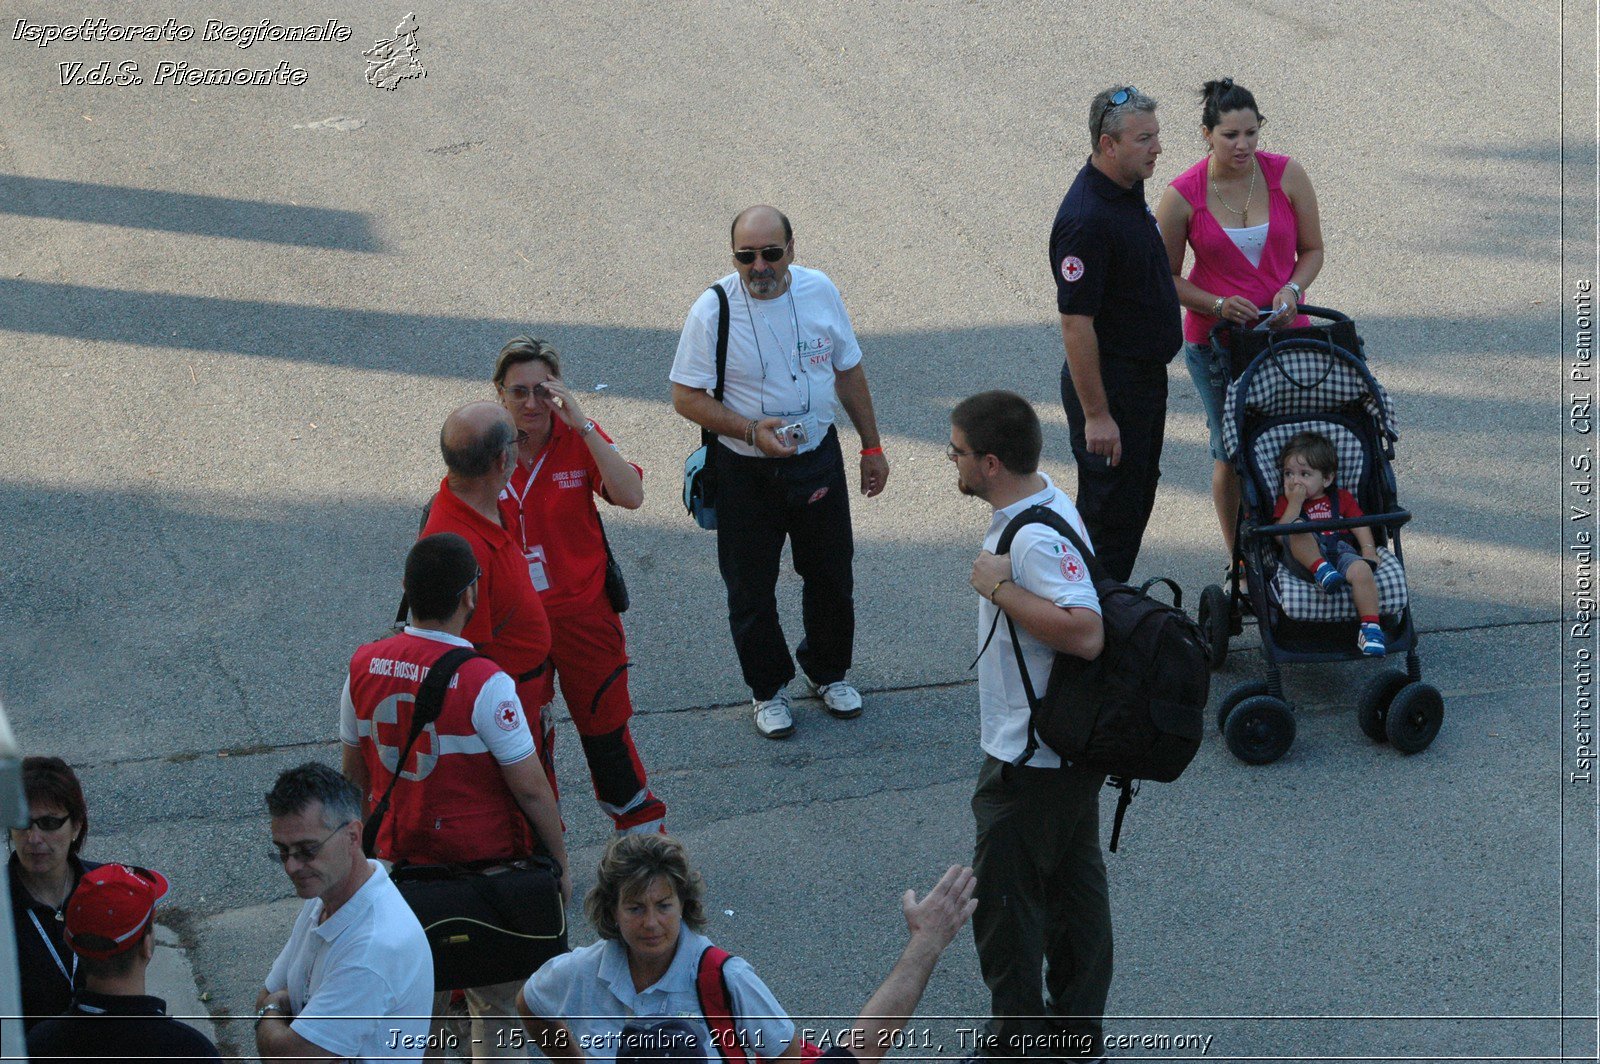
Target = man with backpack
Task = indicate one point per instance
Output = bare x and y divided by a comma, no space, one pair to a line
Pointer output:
1043,904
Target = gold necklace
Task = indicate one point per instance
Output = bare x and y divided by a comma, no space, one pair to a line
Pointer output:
1248,196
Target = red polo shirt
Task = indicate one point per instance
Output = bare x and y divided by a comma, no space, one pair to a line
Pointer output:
551,509
509,625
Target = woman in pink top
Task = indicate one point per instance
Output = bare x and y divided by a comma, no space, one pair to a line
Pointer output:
1251,217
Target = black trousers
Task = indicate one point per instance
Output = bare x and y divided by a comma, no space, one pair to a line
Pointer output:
806,500
1116,501
1044,910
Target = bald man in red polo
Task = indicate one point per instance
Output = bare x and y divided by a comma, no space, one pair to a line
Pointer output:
479,444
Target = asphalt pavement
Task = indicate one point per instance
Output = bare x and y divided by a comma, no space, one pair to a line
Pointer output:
234,317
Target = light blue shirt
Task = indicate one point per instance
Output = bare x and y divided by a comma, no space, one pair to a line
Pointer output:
591,991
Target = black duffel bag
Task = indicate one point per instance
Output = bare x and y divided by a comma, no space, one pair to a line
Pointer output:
487,921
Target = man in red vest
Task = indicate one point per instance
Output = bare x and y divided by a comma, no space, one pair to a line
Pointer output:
471,788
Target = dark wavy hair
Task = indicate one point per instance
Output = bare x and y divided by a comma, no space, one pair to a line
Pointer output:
1220,97
51,780
631,863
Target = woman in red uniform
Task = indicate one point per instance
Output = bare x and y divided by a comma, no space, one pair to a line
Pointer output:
563,463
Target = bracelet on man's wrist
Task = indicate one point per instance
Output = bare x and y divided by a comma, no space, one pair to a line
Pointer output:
996,591
867,451
271,1006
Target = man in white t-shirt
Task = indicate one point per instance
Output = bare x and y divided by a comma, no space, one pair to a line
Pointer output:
355,980
1042,898
778,465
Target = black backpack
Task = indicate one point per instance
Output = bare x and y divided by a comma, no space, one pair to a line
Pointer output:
1137,711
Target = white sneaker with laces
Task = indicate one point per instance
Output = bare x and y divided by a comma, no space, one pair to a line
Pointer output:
773,718
839,698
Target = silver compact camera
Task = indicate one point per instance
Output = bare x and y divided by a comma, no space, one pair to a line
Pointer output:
791,435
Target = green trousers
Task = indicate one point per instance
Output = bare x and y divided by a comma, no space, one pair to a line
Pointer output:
1043,922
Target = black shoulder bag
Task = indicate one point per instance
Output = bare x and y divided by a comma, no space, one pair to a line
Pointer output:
700,468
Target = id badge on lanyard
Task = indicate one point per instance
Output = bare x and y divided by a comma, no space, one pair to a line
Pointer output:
536,569
534,555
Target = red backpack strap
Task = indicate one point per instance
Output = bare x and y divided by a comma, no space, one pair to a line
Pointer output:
717,1005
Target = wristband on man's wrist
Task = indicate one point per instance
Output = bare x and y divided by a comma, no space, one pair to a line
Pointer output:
865,451
271,1006
996,591
750,433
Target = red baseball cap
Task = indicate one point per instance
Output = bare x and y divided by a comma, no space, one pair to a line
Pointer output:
114,902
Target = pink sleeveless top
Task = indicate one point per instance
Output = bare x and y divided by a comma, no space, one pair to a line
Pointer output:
1219,265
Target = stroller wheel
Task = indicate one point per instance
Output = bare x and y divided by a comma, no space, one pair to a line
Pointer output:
1372,708
1414,717
1245,690
1260,729
1214,622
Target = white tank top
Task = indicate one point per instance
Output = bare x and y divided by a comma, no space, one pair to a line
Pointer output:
1251,241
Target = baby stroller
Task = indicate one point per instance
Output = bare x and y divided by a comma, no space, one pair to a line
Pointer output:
1286,382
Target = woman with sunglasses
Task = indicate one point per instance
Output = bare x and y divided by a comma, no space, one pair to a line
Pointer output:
1251,218
565,460
44,870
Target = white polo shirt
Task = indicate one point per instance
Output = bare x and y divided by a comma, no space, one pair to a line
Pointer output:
361,980
782,353
591,991
1045,563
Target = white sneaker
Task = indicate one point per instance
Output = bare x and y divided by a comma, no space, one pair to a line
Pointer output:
773,718
839,698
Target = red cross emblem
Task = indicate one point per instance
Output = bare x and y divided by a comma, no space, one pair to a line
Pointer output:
1071,268
505,715
1071,568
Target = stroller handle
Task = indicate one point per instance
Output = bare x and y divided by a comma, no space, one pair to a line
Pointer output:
1224,328
1393,519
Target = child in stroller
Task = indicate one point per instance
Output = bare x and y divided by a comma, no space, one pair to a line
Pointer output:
1288,384
1310,465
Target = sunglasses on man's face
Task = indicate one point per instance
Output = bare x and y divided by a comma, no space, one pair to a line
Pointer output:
770,253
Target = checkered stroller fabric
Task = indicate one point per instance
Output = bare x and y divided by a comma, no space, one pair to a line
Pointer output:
1302,600
1307,377
1355,464
1341,400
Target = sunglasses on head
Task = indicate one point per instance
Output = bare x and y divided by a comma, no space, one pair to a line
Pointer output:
771,253
1116,99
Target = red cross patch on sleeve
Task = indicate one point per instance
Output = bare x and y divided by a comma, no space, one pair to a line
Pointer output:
1071,269
506,716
